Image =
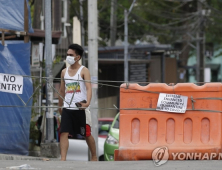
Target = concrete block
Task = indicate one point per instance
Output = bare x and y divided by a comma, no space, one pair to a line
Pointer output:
50,150
18,157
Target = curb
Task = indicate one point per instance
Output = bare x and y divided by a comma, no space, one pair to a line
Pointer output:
21,157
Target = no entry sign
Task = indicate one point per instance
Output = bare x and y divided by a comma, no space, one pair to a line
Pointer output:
11,83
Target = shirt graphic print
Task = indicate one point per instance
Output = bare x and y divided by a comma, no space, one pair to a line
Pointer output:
73,87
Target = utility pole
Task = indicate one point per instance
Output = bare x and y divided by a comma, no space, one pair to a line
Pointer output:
82,24
200,45
49,147
113,23
126,67
48,56
93,64
82,31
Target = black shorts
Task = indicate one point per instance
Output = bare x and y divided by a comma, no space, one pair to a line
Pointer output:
73,122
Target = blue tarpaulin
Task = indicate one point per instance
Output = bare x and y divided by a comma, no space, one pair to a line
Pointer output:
15,121
12,15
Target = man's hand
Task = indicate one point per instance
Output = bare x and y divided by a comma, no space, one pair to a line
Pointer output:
60,111
84,106
61,91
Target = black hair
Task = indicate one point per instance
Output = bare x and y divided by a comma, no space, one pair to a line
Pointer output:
77,48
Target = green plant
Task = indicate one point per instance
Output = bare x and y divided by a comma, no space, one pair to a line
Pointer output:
57,59
34,132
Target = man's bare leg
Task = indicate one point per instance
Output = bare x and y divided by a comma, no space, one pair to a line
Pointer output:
64,144
92,147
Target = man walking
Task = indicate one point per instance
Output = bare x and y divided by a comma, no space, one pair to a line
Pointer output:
75,88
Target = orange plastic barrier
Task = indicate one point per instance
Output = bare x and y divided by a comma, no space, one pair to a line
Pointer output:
196,131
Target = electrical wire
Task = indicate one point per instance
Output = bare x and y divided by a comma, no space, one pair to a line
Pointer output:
193,15
166,14
99,82
105,5
166,26
173,8
126,87
214,9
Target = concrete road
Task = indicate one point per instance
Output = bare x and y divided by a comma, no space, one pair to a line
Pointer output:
120,165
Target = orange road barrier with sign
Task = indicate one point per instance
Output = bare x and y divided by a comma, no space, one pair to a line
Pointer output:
193,133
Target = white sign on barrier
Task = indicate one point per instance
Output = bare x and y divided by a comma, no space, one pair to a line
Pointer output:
11,83
172,103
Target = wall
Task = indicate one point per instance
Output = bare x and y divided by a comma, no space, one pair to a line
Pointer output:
107,102
170,70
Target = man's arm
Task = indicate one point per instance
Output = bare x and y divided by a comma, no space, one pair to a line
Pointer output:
62,91
87,78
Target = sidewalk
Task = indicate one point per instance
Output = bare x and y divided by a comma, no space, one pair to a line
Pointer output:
40,163
105,165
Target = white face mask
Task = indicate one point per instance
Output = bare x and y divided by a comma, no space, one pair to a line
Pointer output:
70,60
